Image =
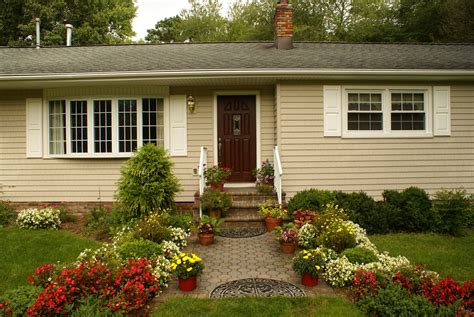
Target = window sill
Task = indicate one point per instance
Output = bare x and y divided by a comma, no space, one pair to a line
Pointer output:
388,135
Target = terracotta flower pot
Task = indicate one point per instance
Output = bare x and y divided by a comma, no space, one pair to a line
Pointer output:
219,187
271,223
288,247
308,280
216,214
206,238
187,284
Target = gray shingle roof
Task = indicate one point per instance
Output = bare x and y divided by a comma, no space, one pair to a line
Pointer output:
235,56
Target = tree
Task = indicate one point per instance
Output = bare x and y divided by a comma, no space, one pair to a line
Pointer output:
147,182
203,22
458,21
251,20
166,30
11,13
94,21
420,20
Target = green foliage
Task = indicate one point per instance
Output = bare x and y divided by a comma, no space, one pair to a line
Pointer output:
415,209
147,182
95,22
152,228
136,249
66,216
216,200
324,20
20,298
359,255
272,210
178,220
23,250
395,301
453,208
7,215
311,199
320,306
214,223
312,262
92,307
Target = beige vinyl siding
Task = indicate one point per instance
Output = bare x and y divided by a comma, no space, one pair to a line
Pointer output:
311,160
94,179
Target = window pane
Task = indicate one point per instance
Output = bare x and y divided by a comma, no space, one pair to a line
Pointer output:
79,126
410,115
102,126
57,127
127,125
365,121
153,121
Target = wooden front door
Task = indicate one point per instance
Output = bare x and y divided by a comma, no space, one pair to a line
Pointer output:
237,138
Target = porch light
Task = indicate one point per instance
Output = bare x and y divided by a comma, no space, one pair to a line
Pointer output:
191,104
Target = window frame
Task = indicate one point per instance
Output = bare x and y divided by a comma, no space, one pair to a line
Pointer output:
387,131
115,126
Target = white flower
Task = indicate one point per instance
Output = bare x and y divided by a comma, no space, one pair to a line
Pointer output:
306,236
179,236
34,218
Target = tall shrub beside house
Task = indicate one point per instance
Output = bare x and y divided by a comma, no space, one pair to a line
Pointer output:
147,182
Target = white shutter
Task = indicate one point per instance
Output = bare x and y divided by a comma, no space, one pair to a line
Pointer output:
332,111
178,126
34,128
441,110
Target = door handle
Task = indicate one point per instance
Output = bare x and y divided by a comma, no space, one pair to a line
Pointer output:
220,147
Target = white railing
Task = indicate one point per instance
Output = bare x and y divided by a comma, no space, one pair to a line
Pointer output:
278,172
202,179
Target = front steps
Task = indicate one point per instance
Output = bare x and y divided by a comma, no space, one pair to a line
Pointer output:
245,202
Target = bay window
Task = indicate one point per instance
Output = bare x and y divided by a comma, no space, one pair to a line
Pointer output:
104,126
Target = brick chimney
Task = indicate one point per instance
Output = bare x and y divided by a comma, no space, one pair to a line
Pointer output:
283,21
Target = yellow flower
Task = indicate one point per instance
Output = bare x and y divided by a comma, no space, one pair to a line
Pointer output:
189,269
192,261
179,261
305,257
318,267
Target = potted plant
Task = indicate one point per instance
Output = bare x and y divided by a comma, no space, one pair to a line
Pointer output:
215,203
187,266
302,217
273,215
309,264
216,177
265,176
288,237
207,228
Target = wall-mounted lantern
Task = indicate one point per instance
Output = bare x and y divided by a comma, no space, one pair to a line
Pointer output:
191,103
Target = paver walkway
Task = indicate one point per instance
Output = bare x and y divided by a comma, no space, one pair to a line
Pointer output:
231,259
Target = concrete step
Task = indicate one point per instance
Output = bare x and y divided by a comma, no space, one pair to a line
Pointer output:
242,224
236,214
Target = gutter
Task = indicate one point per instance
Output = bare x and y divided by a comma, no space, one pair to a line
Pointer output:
271,73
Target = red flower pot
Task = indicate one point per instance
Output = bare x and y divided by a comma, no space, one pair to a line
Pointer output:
219,187
288,247
187,284
206,238
271,223
308,280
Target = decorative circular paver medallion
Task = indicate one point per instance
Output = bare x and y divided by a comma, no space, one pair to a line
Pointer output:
258,287
242,232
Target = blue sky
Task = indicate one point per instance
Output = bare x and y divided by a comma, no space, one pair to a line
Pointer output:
150,11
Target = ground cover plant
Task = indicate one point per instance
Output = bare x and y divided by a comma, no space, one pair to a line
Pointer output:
23,250
258,307
450,256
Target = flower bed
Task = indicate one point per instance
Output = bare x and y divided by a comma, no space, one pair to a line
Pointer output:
33,218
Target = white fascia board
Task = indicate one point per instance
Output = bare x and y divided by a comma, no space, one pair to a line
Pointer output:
310,73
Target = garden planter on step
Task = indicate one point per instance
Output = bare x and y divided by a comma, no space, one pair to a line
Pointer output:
271,223
308,280
216,214
206,238
288,247
187,284
219,187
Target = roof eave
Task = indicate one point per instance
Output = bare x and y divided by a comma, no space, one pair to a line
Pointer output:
434,74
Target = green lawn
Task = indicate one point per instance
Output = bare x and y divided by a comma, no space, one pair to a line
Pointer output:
258,307
449,256
21,251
